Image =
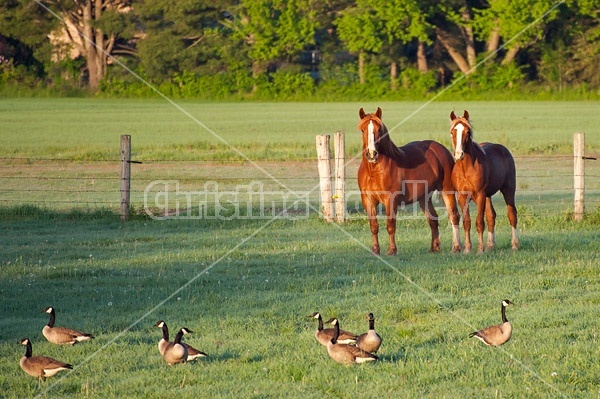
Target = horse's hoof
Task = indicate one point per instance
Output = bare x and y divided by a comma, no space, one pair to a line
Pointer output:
392,252
375,250
456,249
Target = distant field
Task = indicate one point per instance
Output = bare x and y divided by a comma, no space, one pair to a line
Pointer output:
90,128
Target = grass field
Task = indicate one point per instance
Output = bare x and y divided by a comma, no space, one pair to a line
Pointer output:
246,287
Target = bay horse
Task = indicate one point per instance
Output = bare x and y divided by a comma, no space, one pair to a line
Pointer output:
480,171
392,175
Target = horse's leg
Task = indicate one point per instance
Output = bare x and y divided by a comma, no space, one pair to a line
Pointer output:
370,206
480,199
511,210
490,218
390,212
453,215
432,220
463,200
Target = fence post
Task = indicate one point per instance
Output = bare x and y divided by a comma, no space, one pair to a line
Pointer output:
324,165
125,175
579,174
339,151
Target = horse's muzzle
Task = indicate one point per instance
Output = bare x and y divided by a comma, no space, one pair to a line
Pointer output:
372,156
459,155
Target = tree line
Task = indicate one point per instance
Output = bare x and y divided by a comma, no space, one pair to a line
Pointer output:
296,49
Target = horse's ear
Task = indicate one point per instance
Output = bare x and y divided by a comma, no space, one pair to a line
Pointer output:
361,113
466,115
452,116
378,113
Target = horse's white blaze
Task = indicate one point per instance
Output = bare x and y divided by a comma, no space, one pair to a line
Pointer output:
458,150
371,139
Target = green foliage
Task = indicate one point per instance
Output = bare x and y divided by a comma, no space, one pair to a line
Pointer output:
495,77
358,30
287,86
415,82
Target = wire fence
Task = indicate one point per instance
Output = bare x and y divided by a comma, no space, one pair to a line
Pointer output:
213,189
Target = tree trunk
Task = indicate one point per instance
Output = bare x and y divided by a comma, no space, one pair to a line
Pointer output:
393,75
421,57
256,71
510,54
493,40
456,56
469,36
361,67
91,53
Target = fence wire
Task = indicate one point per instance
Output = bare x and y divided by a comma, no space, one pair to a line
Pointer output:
57,184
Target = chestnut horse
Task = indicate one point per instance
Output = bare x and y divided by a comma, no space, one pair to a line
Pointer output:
480,171
393,175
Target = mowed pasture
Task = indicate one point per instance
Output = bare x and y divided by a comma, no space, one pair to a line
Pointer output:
245,287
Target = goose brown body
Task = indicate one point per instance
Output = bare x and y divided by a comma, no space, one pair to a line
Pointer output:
175,352
344,353
324,335
40,366
369,341
498,334
193,353
62,335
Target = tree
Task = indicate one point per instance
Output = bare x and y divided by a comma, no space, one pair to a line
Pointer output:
92,27
361,32
403,22
273,30
31,30
181,36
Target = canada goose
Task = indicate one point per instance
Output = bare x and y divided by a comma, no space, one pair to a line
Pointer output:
325,335
193,353
497,334
40,366
369,341
174,351
346,354
62,335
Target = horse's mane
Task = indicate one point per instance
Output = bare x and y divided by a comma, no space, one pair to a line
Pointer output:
387,147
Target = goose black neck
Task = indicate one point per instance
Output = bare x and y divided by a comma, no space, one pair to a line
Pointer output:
336,333
178,336
28,349
504,319
371,324
52,317
165,331
320,323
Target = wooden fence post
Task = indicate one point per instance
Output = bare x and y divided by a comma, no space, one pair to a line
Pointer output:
324,165
339,152
579,174
125,175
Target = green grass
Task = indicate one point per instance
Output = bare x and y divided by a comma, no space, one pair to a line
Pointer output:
250,294
245,287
